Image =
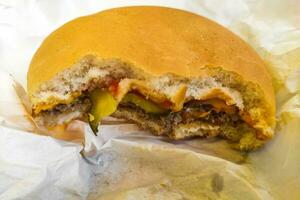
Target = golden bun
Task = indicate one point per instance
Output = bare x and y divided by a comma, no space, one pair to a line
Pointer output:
157,40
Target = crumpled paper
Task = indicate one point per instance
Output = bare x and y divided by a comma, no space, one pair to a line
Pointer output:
126,163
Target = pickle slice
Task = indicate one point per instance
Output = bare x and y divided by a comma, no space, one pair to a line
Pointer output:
147,105
103,104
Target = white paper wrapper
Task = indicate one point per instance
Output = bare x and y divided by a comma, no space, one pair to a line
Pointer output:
126,163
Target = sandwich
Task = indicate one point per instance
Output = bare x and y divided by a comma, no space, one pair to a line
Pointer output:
171,72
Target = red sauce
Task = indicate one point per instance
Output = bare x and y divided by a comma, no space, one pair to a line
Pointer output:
113,87
167,104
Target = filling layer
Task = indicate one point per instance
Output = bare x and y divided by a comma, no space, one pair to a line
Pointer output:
206,118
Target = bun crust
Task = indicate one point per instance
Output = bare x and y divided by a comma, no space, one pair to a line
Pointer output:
157,40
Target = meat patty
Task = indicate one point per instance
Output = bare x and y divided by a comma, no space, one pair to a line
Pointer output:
182,124
63,113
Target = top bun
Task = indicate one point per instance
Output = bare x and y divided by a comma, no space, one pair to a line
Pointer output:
157,40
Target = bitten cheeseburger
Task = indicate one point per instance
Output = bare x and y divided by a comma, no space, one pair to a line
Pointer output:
170,71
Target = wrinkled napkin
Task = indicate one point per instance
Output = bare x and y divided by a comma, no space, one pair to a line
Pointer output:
124,162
